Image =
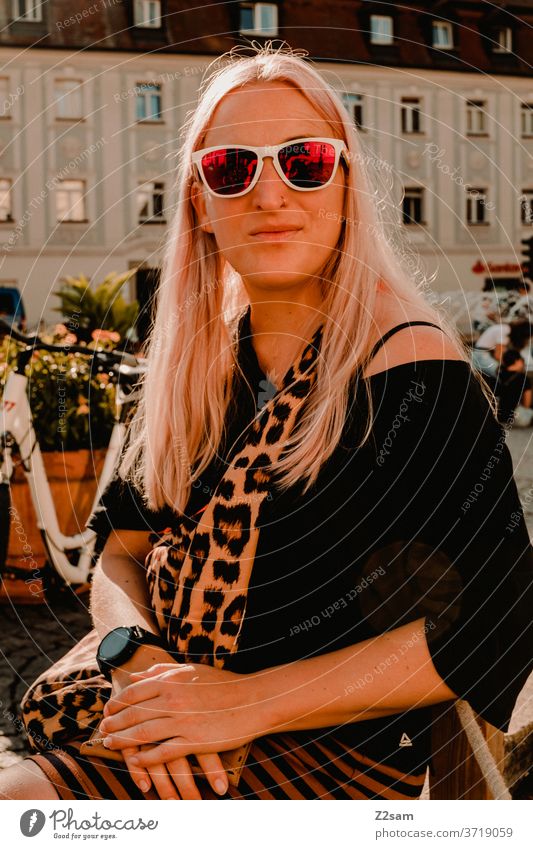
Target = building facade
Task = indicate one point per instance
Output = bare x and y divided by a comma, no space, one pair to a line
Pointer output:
93,96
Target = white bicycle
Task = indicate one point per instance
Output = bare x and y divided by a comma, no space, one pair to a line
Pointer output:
71,557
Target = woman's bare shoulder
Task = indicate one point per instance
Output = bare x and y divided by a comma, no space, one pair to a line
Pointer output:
411,344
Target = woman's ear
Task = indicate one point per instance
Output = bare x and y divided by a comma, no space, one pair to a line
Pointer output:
198,201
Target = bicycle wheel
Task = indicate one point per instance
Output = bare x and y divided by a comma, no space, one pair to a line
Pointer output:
5,522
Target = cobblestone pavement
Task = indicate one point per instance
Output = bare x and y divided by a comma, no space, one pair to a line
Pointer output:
33,637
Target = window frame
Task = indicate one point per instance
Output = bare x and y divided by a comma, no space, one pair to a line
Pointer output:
7,192
409,105
413,194
36,6
374,34
140,18
257,8
83,194
354,100
526,111
79,93
4,99
443,25
475,107
508,47
157,87
152,218
472,201
526,199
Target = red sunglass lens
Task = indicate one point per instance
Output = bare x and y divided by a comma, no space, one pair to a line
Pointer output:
230,170
308,164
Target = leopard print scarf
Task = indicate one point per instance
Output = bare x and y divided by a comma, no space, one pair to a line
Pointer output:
198,573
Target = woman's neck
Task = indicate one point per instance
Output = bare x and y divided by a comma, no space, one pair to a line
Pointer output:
280,331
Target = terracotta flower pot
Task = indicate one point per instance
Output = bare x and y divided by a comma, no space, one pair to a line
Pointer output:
72,476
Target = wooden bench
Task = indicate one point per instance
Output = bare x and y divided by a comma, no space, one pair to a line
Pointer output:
455,773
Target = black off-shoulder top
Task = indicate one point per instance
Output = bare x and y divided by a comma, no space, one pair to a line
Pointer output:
423,520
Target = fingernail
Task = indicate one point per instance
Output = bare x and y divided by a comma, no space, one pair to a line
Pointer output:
134,761
220,786
107,742
144,786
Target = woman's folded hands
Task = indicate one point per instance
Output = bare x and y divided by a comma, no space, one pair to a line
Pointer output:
181,710
172,778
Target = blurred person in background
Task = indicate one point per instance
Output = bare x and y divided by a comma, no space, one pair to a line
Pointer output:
489,348
513,391
520,340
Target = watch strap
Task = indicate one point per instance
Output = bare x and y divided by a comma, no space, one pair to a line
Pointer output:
138,637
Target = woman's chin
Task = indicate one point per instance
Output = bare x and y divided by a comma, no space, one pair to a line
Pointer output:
278,279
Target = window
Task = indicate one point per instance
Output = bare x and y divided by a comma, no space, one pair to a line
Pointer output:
411,115
527,119
504,40
413,206
442,35
476,200
476,123
5,200
148,102
68,98
70,200
27,10
150,202
147,14
259,17
354,105
381,29
526,206
4,97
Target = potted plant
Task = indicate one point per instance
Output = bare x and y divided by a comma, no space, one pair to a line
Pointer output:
73,434
85,310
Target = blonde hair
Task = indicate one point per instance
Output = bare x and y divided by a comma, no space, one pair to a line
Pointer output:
191,353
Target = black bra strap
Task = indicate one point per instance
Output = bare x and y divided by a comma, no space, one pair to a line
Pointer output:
394,330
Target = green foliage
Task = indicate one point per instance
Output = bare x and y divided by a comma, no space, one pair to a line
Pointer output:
71,406
85,309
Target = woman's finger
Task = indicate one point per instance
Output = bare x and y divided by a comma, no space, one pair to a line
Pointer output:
163,783
165,752
181,774
132,694
140,776
133,715
215,773
151,731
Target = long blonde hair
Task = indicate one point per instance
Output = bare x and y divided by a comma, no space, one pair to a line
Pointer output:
180,417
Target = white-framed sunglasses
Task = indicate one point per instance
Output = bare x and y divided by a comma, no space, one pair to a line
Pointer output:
305,165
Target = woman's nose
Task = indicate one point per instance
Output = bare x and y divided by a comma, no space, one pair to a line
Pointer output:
270,188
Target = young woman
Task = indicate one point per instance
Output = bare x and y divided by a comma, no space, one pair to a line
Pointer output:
311,525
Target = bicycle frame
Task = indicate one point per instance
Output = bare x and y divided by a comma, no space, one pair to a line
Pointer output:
16,426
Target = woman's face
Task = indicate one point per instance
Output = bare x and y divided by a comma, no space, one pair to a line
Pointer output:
263,114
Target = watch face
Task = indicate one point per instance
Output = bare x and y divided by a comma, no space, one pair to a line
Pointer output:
114,643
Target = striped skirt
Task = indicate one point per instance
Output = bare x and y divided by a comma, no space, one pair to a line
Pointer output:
277,767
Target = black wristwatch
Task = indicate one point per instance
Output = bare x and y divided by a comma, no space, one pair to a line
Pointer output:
120,644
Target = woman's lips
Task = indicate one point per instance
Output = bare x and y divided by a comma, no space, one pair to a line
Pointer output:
274,235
